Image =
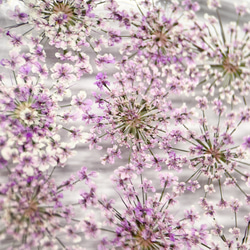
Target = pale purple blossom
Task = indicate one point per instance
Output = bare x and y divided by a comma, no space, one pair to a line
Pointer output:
246,143
63,72
102,60
18,15
213,4
168,111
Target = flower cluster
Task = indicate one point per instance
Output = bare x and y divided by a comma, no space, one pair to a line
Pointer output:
132,109
33,212
162,89
147,221
223,57
213,152
61,21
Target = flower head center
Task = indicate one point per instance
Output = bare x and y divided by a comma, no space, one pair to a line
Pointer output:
160,38
64,8
229,66
25,113
215,153
31,209
132,119
143,239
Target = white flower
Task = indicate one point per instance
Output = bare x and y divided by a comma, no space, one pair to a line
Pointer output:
9,153
209,188
213,4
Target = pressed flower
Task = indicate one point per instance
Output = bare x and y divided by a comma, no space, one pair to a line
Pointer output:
167,52
72,27
129,115
32,211
18,15
147,222
246,143
213,152
60,14
223,56
14,61
30,120
29,114
135,112
63,72
158,34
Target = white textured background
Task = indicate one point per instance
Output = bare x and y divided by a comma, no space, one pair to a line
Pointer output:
90,159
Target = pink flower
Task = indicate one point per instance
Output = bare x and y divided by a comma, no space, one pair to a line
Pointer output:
80,102
246,143
63,72
213,4
102,60
18,16
14,61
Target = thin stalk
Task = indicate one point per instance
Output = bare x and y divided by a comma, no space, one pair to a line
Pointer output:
162,192
143,198
61,186
221,27
107,230
221,196
205,246
197,171
228,174
236,127
64,106
245,238
235,219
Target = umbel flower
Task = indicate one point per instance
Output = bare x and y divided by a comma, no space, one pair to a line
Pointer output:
147,221
68,24
223,56
68,11
159,35
213,152
33,214
28,120
62,21
31,122
237,235
73,27
135,109
59,16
